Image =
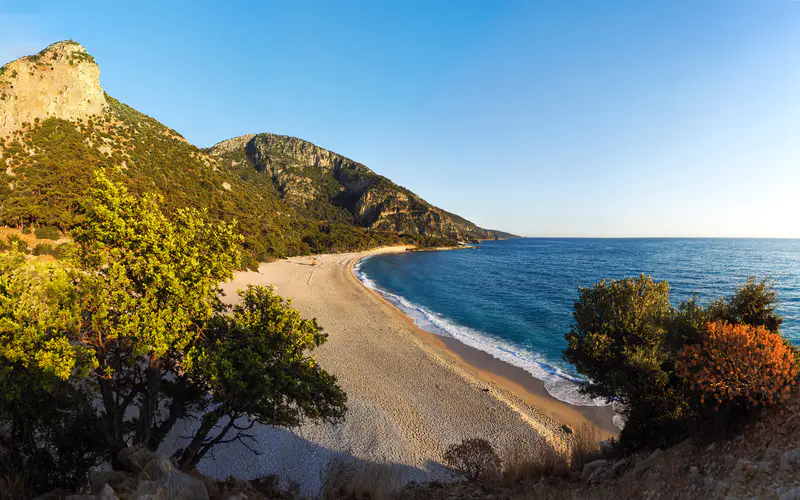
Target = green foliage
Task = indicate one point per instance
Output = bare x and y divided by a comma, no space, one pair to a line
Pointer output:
618,342
628,341
37,305
61,251
47,233
129,335
47,440
43,249
17,244
424,242
754,303
169,270
255,363
48,186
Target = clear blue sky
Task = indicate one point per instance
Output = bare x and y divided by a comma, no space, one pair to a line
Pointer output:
555,118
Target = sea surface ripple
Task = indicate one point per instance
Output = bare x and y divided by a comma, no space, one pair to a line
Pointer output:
514,299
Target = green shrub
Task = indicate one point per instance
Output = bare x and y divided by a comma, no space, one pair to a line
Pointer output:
618,342
631,344
60,252
63,250
16,243
43,249
47,233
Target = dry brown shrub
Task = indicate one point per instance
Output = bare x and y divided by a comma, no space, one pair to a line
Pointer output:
585,445
473,458
352,480
739,363
524,462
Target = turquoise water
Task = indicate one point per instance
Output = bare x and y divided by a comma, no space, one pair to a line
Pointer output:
513,298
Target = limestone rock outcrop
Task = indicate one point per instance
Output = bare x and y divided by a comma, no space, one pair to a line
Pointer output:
62,81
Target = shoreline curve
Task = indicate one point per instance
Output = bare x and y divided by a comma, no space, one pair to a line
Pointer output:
487,368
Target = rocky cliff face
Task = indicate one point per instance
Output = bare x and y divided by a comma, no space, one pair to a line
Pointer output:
62,81
307,175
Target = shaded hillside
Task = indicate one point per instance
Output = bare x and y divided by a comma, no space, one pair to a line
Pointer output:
328,186
289,197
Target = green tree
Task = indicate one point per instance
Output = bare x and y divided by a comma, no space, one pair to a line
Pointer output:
619,342
133,326
256,363
46,438
149,284
627,340
754,303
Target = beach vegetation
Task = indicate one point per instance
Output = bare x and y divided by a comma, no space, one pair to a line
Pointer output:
114,345
473,459
254,366
585,445
47,439
524,461
672,367
618,343
353,479
740,365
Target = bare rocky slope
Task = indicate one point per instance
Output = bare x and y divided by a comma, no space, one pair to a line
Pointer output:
289,197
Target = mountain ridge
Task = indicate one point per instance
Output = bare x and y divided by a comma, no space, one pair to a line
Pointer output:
374,200
57,126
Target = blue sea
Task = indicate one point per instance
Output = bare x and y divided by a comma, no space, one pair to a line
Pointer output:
513,299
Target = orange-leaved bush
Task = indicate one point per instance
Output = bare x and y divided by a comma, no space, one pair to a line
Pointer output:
740,364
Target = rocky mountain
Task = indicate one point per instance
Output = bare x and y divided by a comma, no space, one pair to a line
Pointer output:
62,81
289,197
329,186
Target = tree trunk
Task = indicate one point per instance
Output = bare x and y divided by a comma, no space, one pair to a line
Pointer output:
176,412
108,424
150,405
190,457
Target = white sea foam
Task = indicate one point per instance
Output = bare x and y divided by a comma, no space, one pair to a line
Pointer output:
560,384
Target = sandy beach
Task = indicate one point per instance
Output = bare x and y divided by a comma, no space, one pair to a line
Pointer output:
411,394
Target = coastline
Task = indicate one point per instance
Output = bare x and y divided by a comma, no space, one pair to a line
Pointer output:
512,379
439,249
411,394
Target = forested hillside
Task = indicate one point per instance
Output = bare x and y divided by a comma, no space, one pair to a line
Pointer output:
328,186
288,196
